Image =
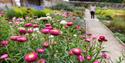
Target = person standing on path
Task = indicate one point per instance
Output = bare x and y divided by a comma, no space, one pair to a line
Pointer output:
92,11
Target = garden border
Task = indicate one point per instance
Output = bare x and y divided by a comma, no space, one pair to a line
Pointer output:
121,42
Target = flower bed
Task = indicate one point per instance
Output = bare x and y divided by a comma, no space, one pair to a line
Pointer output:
114,20
57,38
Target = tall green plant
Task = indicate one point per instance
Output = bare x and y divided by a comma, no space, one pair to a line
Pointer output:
117,24
23,11
4,29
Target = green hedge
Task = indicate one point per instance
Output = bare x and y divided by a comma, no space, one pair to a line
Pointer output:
23,11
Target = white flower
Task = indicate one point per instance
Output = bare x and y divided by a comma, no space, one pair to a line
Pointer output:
74,35
22,22
14,18
61,32
49,17
29,28
38,19
21,19
51,36
10,22
63,22
36,29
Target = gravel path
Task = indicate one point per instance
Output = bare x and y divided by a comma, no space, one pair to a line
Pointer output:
113,45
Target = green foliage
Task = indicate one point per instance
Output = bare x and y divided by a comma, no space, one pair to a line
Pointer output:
109,14
46,11
63,6
117,25
4,29
23,11
10,13
78,11
120,36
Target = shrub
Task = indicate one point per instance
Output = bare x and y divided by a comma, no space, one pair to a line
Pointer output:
63,6
23,11
120,36
78,13
117,25
109,14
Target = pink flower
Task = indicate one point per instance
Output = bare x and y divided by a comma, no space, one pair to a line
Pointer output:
49,27
78,27
70,53
89,57
66,26
88,40
4,56
31,57
69,23
42,50
102,38
80,58
4,43
77,51
17,23
96,61
41,61
35,26
45,44
105,55
55,32
14,38
94,37
48,24
18,38
21,39
45,31
65,14
28,25
27,17
30,31
22,31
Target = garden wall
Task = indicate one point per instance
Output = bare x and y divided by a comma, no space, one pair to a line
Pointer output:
101,4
